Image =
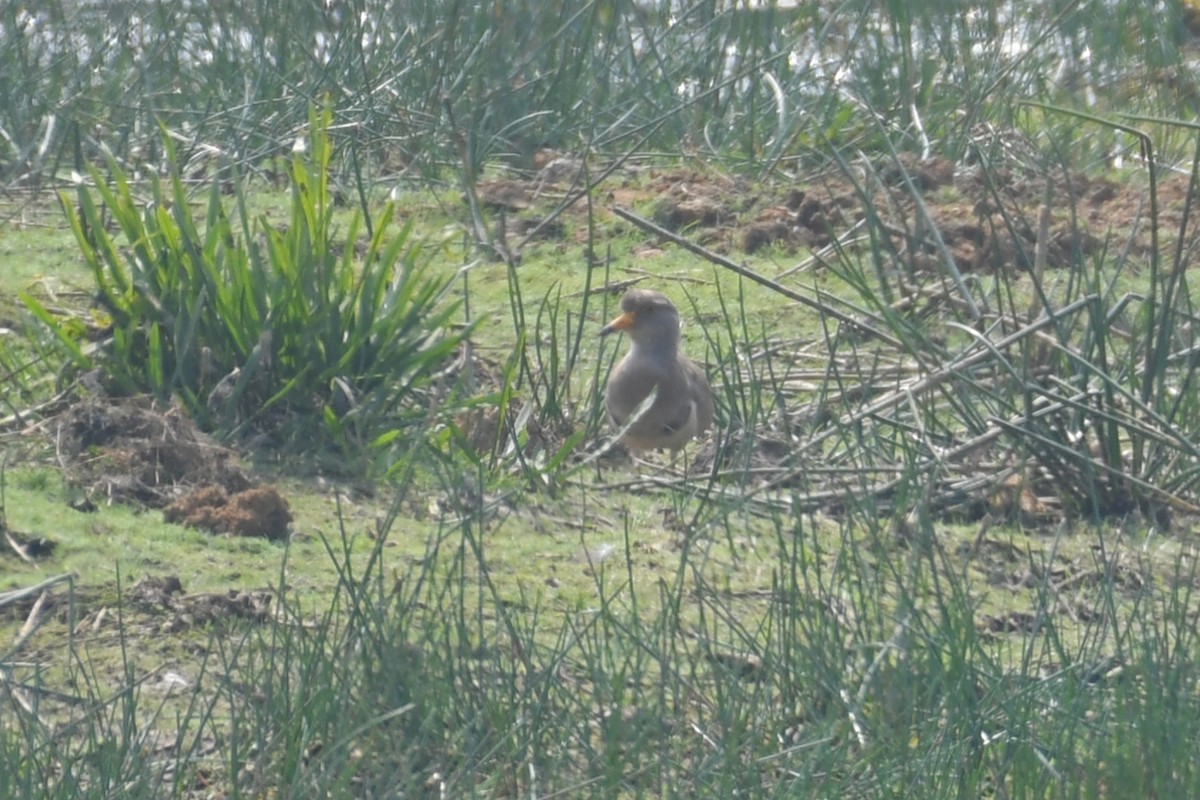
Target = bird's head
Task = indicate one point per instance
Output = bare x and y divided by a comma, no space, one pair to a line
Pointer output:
650,319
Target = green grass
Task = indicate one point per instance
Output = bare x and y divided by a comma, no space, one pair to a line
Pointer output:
938,547
842,659
94,546
600,638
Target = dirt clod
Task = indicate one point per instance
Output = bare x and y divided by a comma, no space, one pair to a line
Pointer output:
156,591
260,511
216,607
165,593
690,213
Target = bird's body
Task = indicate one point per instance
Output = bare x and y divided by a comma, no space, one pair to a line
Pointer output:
683,406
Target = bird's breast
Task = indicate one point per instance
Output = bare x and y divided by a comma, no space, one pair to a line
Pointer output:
630,384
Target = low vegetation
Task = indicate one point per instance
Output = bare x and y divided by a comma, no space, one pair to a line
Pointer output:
304,486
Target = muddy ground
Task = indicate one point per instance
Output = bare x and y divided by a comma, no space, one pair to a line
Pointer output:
987,218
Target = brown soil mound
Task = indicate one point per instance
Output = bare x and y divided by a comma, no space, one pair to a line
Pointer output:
987,219
260,511
131,450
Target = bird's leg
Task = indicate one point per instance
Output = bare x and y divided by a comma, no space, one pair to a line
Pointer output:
645,461
662,461
687,462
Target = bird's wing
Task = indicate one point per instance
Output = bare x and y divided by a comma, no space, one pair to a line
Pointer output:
700,390
681,414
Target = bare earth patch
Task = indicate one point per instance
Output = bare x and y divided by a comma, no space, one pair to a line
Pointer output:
131,450
986,218
165,594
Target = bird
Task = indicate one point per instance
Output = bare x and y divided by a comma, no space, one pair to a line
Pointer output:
683,406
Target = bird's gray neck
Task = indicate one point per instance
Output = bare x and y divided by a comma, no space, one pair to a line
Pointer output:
661,350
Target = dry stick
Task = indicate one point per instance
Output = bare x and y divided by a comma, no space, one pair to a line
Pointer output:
750,274
954,367
1002,426
32,621
17,693
60,402
1040,250
1178,503
17,548
933,379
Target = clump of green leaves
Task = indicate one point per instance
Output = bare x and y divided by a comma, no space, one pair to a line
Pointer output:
251,322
